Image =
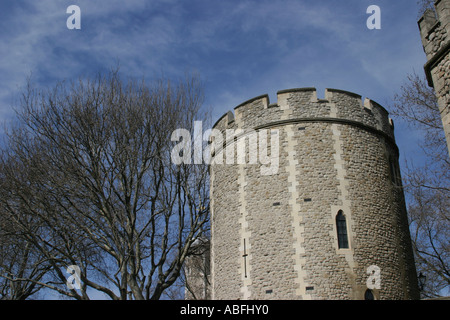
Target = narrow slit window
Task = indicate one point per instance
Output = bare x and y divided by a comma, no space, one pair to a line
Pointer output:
245,255
341,226
392,170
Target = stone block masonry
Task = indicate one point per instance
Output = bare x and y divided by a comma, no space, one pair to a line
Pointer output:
333,209
435,33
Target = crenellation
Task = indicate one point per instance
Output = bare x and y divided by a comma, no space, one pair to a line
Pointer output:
302,105
225,121
334,155
336,95
443,13
427,23
304,95
383,121
280,235
260,101
435,34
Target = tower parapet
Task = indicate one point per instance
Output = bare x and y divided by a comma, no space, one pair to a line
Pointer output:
302,105
435,34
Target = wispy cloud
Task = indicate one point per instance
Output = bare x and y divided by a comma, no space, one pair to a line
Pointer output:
241,48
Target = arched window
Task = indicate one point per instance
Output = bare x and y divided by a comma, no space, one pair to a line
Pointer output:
369,295
341,226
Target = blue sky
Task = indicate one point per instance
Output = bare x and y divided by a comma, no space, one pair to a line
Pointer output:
241,49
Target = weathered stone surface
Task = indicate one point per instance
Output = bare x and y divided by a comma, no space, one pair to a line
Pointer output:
435,34
275,237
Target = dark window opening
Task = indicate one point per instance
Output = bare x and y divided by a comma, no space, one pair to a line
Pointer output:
341,226
394,171
369,295
245,255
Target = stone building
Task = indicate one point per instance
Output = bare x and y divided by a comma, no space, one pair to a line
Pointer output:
197,271
325,220
435,33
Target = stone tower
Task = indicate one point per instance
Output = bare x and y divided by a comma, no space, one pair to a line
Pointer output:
197,267
326,219
435,34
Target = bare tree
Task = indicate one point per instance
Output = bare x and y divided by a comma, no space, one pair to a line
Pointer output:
18,259
89,164
196,273
427,184
429,221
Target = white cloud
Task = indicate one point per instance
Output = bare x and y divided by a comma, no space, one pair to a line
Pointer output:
244,48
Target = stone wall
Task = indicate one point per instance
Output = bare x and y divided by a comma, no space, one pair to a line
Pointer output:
275,236
197,271
435,33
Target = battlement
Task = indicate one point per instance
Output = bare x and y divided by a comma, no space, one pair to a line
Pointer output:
303,105
283,176
431,18
427,23
434,26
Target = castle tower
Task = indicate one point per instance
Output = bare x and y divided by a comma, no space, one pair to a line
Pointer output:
197,271
435,34
306,201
